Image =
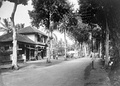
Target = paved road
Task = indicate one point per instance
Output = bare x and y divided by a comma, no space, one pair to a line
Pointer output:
68,73
1,81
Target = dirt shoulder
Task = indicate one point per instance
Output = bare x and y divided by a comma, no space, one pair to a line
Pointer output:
97,76
115,77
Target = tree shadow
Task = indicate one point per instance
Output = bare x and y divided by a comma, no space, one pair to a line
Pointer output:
1,80
87,71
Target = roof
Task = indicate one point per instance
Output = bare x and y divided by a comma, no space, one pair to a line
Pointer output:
20,38
30,29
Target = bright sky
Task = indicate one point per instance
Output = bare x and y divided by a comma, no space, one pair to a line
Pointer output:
61,36
21,15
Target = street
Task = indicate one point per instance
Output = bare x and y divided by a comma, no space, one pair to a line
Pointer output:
67,73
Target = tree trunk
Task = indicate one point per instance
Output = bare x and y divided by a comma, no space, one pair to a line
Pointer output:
65,57
14,60
49,39
80,50
115,43
85,49
51,45
107,45
100,50
48,49
48,53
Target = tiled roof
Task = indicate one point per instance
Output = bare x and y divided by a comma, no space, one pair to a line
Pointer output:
30,29
20,38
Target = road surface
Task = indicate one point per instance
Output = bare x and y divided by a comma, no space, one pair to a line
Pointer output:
1,81
67,73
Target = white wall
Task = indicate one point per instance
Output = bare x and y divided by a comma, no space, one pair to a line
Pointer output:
32,37
2,32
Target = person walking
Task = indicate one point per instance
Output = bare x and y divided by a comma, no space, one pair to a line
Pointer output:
93,60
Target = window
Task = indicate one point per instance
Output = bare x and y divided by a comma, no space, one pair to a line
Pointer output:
38,38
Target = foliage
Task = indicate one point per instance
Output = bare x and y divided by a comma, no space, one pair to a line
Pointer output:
24,2
5,26
68,22
103,12
4,52
81,31
75,28
0,3
100,11
19,26
91,11
58,47
48,10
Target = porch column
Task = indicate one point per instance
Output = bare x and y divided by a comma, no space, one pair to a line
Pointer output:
29,52
24,54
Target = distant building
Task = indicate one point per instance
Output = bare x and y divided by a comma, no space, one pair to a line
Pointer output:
30,42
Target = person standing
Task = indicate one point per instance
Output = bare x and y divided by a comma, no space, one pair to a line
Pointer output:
24,57
93,60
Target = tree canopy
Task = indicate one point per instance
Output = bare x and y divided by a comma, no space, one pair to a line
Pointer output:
106,14
48,10
98,11
24,2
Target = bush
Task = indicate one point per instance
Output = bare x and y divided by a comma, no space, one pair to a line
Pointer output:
5,55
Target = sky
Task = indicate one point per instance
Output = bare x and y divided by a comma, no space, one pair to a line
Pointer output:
21,15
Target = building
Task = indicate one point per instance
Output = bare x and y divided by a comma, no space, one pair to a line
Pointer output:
30,42
38,37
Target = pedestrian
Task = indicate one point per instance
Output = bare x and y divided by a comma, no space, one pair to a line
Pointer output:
103,62
24,57
11,57
93,59
57,56
111,62
36,56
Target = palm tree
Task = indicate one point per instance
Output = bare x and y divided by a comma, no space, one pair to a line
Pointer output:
5,26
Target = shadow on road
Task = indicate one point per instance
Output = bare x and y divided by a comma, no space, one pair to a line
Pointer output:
1,80
87,71
97,76
30,65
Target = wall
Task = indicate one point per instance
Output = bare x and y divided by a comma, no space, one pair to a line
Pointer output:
32,37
